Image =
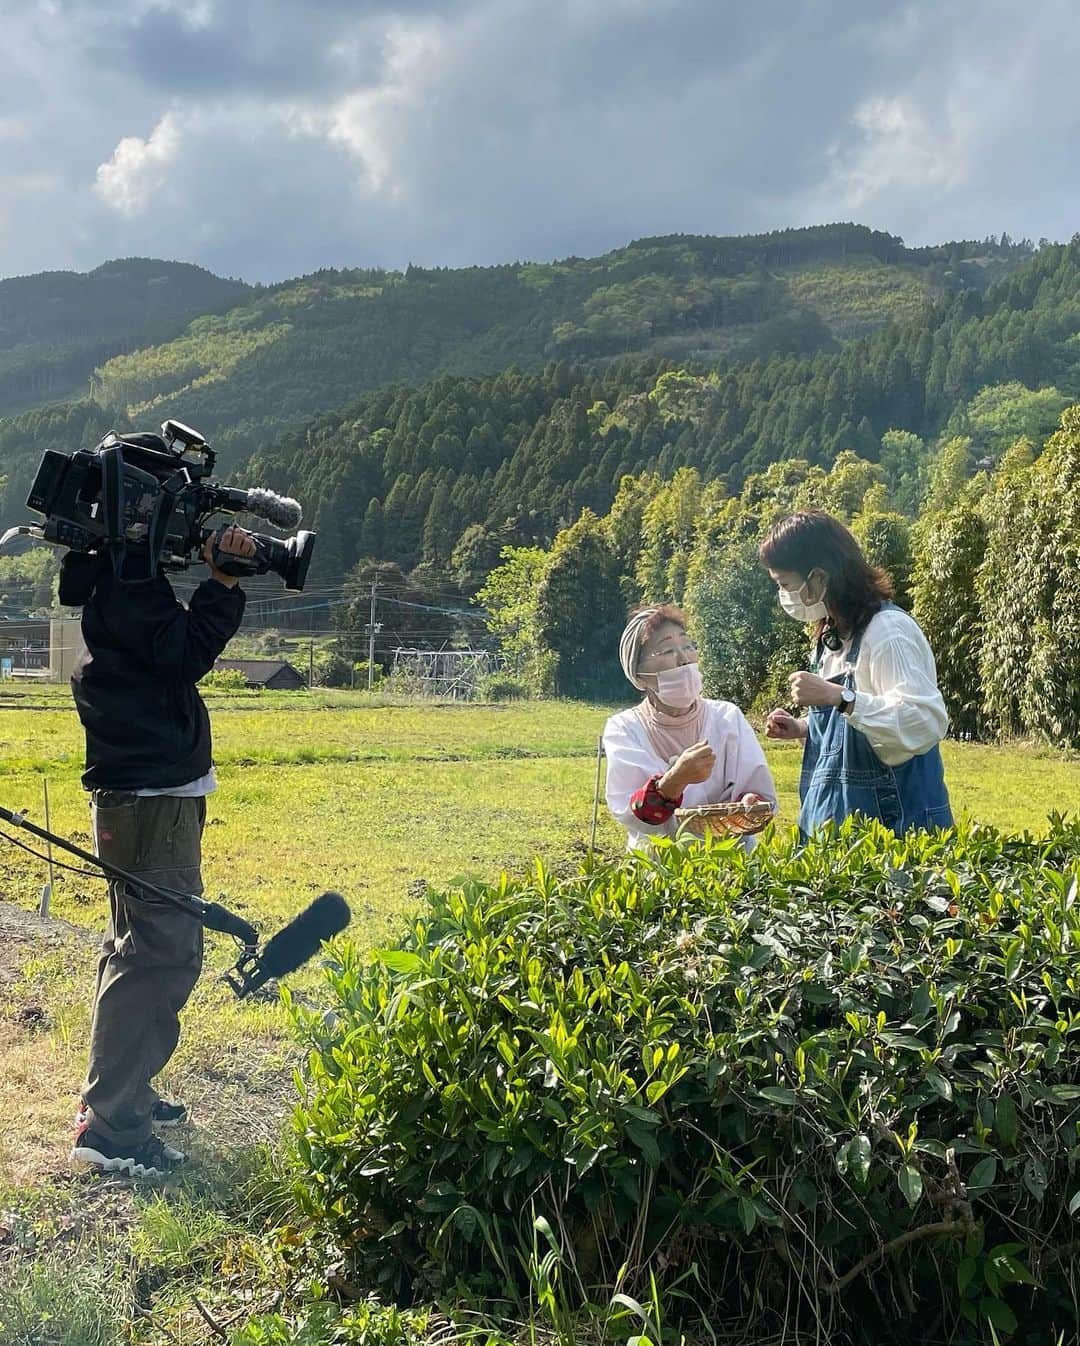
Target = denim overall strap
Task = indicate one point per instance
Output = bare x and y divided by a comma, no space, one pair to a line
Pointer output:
842,774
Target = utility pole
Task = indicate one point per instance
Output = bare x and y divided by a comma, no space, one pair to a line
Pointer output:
372,628
310,664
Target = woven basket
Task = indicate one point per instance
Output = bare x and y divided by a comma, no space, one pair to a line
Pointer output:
724,820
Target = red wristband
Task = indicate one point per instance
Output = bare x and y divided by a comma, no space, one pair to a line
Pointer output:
648,805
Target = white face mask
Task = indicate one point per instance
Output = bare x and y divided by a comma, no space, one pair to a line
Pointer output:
792,602
679,687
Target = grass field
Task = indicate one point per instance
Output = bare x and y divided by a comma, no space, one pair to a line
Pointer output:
332,790
317,790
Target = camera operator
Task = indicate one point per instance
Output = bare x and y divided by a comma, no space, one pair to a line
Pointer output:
149,768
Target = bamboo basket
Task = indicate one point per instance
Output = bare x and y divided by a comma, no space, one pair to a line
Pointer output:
725,820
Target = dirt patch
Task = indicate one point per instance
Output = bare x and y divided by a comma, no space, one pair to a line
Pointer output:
239,1086
24,934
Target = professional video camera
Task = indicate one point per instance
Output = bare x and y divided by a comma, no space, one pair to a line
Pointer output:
149,497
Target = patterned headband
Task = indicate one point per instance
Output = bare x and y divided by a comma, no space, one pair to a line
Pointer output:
630,648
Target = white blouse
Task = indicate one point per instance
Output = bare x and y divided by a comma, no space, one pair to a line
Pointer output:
898,705
632,759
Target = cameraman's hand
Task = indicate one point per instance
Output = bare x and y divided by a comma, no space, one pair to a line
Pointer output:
232,541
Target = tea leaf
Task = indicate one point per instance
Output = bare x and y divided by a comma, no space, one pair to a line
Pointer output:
911,1184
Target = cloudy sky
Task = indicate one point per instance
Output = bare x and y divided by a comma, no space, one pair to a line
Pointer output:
266,138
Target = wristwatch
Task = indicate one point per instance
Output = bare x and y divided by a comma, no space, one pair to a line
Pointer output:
847,700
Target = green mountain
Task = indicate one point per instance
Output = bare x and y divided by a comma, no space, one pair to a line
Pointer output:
302,347
448,472
57,327
522,391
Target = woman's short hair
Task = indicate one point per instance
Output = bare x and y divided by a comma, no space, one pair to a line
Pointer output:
665,612
814,540
641,626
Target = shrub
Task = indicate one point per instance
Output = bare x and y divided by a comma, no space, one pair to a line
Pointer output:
360,675
840,1081
502,687
331,669
224,680
325,1324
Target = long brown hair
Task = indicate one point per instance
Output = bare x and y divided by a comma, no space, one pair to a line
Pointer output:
814,540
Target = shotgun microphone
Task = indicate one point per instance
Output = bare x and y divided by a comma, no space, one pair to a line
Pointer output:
291,947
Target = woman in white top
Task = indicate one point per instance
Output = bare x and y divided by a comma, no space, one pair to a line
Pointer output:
676,749
875,712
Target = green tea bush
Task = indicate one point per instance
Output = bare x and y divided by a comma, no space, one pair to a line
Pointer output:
839,1084
326,1324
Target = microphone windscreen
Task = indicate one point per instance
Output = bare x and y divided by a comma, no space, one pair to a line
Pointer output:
280,510
290,948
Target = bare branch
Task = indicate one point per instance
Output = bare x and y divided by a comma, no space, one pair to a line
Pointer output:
943,1229
215,1327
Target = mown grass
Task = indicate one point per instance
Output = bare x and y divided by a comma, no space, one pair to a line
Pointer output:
372,799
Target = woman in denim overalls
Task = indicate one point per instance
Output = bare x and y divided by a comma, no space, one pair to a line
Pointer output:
875,715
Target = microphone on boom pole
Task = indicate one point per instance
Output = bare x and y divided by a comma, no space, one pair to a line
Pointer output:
288,950
291,947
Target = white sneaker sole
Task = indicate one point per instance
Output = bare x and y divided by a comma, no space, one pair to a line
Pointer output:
85,1154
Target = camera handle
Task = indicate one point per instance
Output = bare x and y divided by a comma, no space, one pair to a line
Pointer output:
231,564
22,530
212,914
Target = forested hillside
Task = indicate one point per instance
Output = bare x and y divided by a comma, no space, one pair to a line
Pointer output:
57,327
503,400
310,345
256,361
449,472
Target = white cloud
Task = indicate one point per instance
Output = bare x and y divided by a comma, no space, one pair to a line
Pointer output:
364,122
307,133
971,128
897,150
139,169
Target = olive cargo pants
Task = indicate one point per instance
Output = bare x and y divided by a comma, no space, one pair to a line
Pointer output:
150,959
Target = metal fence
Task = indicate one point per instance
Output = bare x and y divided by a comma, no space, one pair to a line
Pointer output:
445,674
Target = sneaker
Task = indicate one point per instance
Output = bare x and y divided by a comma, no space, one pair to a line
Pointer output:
151,1159
165,1116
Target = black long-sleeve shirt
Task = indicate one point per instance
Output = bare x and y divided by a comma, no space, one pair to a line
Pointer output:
146,725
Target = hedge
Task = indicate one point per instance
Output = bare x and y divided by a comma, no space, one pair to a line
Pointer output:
839,1084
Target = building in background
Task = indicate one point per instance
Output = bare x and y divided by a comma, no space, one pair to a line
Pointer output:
65,646
39,649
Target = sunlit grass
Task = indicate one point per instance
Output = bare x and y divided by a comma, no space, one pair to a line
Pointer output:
373,799
327,790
